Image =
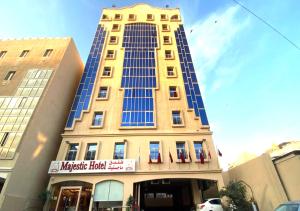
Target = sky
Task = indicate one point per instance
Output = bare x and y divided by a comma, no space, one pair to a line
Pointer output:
248,74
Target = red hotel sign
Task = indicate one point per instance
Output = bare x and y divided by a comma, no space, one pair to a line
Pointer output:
91,166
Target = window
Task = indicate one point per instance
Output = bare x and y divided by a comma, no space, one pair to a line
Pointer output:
171,72
103,92
98,119
150,17
173,91
176,117
71,155
91,151
48,52
4,137
113,40
154,150
115,27
174,18
107,72
215,201
2,53
9,75
163,17
119,151
118,17
167,40
198,149
104,17
168,54
131,17
22,102
24,53
110,54
165,27
180,149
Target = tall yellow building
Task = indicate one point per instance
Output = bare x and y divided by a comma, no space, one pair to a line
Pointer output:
138,124
38,79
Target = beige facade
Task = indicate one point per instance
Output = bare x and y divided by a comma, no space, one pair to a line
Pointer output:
273,181
288,171
38,79
152,145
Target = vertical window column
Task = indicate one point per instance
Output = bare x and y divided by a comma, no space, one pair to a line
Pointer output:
139,77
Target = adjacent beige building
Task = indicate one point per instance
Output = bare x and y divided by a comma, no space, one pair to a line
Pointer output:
272,176
138,124
38,79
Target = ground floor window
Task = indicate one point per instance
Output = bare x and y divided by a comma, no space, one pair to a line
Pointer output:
108,194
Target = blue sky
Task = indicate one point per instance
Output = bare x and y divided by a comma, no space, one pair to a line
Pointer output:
248,74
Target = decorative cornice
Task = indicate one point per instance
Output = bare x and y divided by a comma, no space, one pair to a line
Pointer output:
139,4
136,134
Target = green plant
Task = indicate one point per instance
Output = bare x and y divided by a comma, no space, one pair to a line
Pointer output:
43,196
129,202
236,191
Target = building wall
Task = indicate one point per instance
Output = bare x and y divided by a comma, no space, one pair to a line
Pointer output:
261,175
38,145
289,173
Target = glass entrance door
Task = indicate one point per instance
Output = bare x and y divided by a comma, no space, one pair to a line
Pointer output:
68,199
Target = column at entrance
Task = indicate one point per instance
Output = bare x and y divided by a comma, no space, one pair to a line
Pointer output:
197,198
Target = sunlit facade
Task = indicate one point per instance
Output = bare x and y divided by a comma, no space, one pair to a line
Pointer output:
137,125
30,72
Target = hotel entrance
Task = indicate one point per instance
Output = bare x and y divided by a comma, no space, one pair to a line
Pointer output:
166,194
173,194
70,196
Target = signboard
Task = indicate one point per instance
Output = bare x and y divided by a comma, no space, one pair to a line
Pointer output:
91,166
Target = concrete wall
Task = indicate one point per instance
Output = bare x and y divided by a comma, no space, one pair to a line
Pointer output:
261,175
288,168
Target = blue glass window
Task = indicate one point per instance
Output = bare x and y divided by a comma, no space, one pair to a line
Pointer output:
191,86
87,81
139,77
154,150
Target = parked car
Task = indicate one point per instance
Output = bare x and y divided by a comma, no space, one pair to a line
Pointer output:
213,204
289,206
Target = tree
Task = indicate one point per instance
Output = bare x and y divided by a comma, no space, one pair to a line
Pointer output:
237,192
129,202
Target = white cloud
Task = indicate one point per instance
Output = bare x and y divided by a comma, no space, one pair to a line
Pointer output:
211,40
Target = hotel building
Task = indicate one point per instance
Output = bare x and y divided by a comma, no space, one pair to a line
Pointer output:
137,124
39,78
